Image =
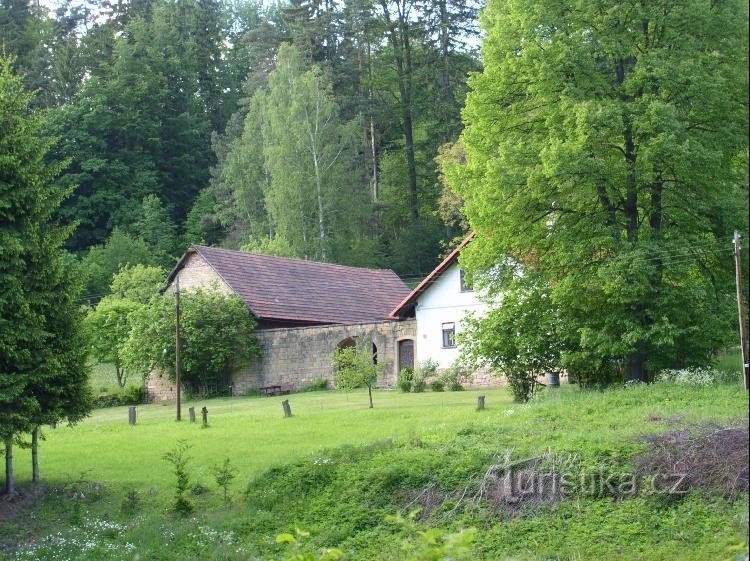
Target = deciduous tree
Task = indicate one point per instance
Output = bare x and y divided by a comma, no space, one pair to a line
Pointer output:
606,151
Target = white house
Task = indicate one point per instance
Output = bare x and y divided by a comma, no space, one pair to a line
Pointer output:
440,304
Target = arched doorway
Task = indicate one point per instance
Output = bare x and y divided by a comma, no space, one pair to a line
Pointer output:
360,343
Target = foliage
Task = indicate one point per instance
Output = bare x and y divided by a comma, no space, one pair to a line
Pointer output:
428,368
590,166
224,474
127,395
179,459
137,283
320,384
42,346
437,385
456,375
704,376
355,367
108,330
216,333
102,262
521,338
405,379
435,544
327,554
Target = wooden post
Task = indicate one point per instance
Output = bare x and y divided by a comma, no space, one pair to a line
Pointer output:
480,403
204,416
287,408
191,414
131,415
741,310
177,343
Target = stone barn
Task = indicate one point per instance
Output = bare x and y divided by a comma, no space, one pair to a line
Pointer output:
304,311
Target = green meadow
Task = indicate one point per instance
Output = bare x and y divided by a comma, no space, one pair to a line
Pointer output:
340,472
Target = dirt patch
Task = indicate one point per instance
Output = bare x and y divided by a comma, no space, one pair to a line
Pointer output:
708,456
15,512
26,499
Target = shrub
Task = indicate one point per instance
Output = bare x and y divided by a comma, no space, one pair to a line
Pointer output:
405,379
419,383
130,395
179,460
425,370
131,504
437,385
455,376
318,385
224,474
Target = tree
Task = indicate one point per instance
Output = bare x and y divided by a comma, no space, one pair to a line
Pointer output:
355,368
137,283
606,151
102,262
157,229
216,336
42,352
109,328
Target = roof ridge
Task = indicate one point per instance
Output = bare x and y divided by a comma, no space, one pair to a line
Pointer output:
297,259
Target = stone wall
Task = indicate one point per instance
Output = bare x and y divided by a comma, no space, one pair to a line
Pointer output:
298,356
159,388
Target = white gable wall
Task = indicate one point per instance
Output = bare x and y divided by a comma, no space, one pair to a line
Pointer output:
443,302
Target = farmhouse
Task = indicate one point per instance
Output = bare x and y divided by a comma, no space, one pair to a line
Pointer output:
439,305
304,311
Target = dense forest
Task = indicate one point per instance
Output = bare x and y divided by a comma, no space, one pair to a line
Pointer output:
309,129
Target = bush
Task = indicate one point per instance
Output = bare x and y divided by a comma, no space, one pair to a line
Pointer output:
405,379
426,370
455,376
437,385
130,395
318,385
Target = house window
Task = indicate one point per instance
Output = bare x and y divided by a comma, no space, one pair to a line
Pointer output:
449,335
465,286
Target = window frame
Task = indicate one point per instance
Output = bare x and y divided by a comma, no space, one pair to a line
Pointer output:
449,335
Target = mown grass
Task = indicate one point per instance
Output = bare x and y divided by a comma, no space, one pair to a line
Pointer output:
250,431
338,469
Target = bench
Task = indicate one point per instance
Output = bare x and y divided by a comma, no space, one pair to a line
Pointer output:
276,390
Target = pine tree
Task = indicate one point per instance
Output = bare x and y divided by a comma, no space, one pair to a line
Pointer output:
42,352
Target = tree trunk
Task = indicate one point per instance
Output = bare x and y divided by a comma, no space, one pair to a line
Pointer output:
35,455
10,481
369,392
445,82
636,370
399,39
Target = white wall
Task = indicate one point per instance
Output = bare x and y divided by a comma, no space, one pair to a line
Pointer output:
443,302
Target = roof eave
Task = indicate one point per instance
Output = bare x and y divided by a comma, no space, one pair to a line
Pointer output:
400,310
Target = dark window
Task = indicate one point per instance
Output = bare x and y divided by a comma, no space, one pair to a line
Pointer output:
449,335
465,286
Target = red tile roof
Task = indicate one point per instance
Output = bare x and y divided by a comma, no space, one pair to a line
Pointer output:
404,307
280,288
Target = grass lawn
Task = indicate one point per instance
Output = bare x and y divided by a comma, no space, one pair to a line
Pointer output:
250,431
338,470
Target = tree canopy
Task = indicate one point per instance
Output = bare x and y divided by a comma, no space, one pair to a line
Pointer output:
606,155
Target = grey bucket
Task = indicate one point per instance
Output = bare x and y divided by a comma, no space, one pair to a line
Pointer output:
553,380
